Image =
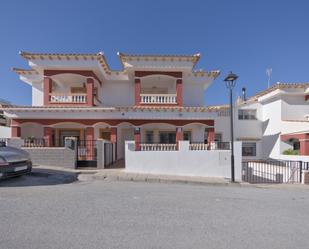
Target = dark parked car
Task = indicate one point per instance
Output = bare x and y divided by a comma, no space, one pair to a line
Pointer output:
13,161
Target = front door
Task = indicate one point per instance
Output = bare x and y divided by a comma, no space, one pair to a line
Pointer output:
68,133
127,135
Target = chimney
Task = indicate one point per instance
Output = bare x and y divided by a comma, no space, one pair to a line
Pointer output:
243,90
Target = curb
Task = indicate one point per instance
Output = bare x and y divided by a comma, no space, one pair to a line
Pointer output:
161,179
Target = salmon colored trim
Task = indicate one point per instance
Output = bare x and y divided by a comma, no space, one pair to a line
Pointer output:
137,91
47,88
86,73
179,91
15,131
303,140
148,73
114,122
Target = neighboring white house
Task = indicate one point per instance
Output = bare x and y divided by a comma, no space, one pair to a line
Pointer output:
270,122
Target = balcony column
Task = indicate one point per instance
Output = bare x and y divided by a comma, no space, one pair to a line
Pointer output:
179,136
90,88
179,92
210,136
47,88
137,138
137,91
48,136
15,129
89,137
304,145
114,140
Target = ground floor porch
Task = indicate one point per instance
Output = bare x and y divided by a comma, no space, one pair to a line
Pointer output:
147,134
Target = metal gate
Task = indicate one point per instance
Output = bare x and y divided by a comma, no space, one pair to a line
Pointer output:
108,154
273,171
86,153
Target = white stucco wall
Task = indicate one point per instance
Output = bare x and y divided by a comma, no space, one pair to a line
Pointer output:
183,162
5,132
37,94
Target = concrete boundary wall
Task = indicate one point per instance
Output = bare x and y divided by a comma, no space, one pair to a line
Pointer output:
58,157
185,162
64,157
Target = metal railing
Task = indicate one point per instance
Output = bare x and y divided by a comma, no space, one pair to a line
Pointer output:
158,147
158,98
272,171
68,98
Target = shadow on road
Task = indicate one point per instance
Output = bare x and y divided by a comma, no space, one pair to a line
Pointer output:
40,177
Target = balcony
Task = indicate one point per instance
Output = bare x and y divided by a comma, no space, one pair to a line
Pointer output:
78,98
158,98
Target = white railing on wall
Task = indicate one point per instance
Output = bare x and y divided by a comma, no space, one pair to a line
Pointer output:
158,147
158,98
68,98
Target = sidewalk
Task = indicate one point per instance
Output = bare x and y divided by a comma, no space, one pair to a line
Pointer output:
122,175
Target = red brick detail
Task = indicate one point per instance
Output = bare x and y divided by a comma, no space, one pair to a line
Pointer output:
307,97
137,138
114,134
179,92
303,140
15,131
90,87
47,88
48,136
114,139
304,147
210,136
137,91
115,122
86,73
89,135
148,73
179,136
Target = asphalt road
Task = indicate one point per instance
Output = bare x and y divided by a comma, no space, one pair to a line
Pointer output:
107,214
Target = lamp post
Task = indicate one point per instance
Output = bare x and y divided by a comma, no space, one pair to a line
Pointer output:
230,82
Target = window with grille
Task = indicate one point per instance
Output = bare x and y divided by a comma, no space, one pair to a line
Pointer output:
247,114
248,149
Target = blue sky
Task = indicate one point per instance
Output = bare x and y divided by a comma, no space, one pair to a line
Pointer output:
245,36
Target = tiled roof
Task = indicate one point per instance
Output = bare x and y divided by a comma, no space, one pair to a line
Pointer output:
123,57
133,108
127,57
72,56
280,85
24,71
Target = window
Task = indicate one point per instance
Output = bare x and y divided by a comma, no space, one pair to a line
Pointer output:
247,114
187,136
149,137
218,137
248,149
167,137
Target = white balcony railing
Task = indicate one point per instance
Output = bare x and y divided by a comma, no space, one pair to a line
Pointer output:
68,98
158,98
158,147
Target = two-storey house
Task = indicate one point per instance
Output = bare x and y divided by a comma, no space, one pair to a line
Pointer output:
154,99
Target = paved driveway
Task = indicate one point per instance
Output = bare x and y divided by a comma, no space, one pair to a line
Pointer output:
107,214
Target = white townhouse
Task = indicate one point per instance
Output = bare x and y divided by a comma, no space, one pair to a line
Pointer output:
154,99
270,122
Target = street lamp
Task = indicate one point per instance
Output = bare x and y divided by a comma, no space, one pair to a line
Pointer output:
230,82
